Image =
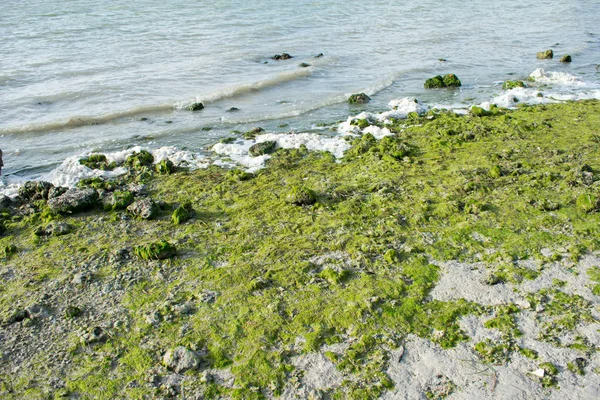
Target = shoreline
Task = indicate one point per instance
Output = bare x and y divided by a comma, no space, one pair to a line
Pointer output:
312,276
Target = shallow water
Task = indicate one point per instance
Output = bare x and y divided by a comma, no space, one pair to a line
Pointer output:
83,75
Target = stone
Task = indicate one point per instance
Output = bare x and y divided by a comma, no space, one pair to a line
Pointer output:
319,55
181,359
513,84
165,167
566,59
98,161
118,200
251,134
282,56
545,55
145,209
54,229
195,106
35,190
262,148
74,200
451,80
139,160
358,98
304,65
5,202
437,82
73,312
233,109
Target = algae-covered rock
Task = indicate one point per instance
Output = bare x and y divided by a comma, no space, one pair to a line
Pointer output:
181,359
301,196
165,167
74,200
545,55
361,145
5,202
195,106
566,59
282,56
155,251
35,190
251,134
98,161
437,82
118,200
259,149
54,229
139,160
587,202
479,112
73,312
391,256
513,84
182,213
145,209
451,80
358,98
495,172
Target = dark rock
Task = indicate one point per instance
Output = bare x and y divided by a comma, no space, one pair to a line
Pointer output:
451,80
513,84
251,134
545,55
304,65
181,359
358,98
436,82
145,209
34,190
165,167
301,196
182,213
319,55
259,149
195,106
74,200
18,316
137,189
95,335
54,229
118,200
56,191
73,312
156,251
282,56
139,160
5,202
566,59
97,161
233,109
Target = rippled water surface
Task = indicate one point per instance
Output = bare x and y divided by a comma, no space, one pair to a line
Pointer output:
79,76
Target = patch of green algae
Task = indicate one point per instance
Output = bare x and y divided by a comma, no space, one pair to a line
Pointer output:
427,193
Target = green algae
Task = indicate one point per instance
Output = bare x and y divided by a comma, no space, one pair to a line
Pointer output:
98,161
139,160
157,250
325,272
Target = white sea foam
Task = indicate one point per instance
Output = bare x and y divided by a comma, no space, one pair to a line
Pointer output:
400,108
556,78
239,151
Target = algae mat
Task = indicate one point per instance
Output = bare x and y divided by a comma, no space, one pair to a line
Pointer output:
451,260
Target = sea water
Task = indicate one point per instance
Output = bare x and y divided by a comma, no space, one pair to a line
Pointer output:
116,76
